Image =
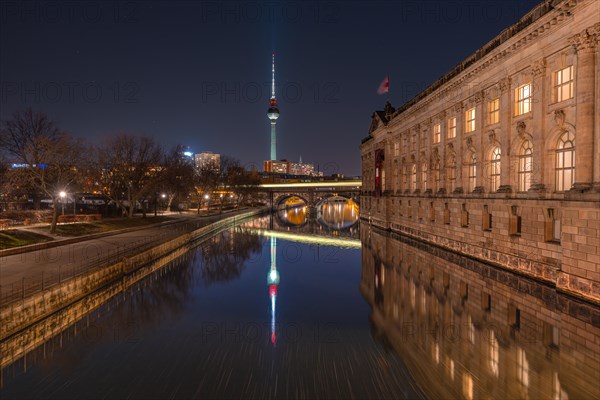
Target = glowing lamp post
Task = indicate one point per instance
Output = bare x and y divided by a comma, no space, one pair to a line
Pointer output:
62,201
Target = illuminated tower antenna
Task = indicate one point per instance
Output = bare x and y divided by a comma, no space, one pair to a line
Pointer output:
273,113
273,77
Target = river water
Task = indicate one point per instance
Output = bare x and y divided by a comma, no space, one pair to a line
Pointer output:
293,306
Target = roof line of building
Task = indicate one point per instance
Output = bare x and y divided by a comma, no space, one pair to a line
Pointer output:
535,14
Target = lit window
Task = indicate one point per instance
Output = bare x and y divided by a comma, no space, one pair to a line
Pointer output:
467,385
564,84
413,178
495,169
523,99
451,173
437,128
525,165
470,120
565,162
452,128
494,353
552,227
396,149
522,367
494,111
424,175
472,172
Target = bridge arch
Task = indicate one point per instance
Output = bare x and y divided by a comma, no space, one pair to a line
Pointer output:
286,196
330,208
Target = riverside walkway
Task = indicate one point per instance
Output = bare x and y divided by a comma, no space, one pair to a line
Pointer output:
34,270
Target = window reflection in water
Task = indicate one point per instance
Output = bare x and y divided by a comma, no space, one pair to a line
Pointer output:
454,324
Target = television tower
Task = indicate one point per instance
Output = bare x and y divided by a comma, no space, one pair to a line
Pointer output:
273,113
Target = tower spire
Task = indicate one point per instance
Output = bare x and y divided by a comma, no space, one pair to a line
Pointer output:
273,78
273,112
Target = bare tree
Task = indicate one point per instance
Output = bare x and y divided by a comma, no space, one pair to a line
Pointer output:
206,180
130,169
177,176
236,181
245,184
48,158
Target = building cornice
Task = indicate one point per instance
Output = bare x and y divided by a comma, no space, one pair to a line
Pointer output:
586,39
539,21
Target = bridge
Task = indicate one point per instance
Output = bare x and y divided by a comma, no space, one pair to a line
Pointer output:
311,192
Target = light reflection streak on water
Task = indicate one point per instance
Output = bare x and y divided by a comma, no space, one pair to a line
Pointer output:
310,239
303,349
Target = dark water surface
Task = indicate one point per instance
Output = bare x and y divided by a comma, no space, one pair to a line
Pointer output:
293,306
254,312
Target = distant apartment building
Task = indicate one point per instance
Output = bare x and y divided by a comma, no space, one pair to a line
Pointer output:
300,168
500,158
208,158
277,166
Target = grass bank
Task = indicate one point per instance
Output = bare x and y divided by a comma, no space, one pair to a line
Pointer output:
15,238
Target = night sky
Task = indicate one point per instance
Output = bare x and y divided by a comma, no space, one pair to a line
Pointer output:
198,73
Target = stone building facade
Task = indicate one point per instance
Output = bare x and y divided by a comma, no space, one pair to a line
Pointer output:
500,158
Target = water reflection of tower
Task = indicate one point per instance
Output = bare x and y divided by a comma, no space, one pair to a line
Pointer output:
273,281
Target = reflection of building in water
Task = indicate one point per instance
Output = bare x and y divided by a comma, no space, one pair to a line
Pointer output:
466,329
337,212
273,281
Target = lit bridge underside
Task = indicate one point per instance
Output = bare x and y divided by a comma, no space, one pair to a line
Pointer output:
310,191
346,186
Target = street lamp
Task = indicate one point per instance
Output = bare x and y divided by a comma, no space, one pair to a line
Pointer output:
62,201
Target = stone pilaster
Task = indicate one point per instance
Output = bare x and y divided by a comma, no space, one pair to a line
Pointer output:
459,111
538,74
505,117
442,151
480,111
586,44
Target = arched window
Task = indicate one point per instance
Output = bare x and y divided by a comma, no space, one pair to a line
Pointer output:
472,172
495,169
565,162
424,176
451,173
413,178
525,165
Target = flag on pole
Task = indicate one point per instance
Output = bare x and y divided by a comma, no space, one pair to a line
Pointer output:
384,86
